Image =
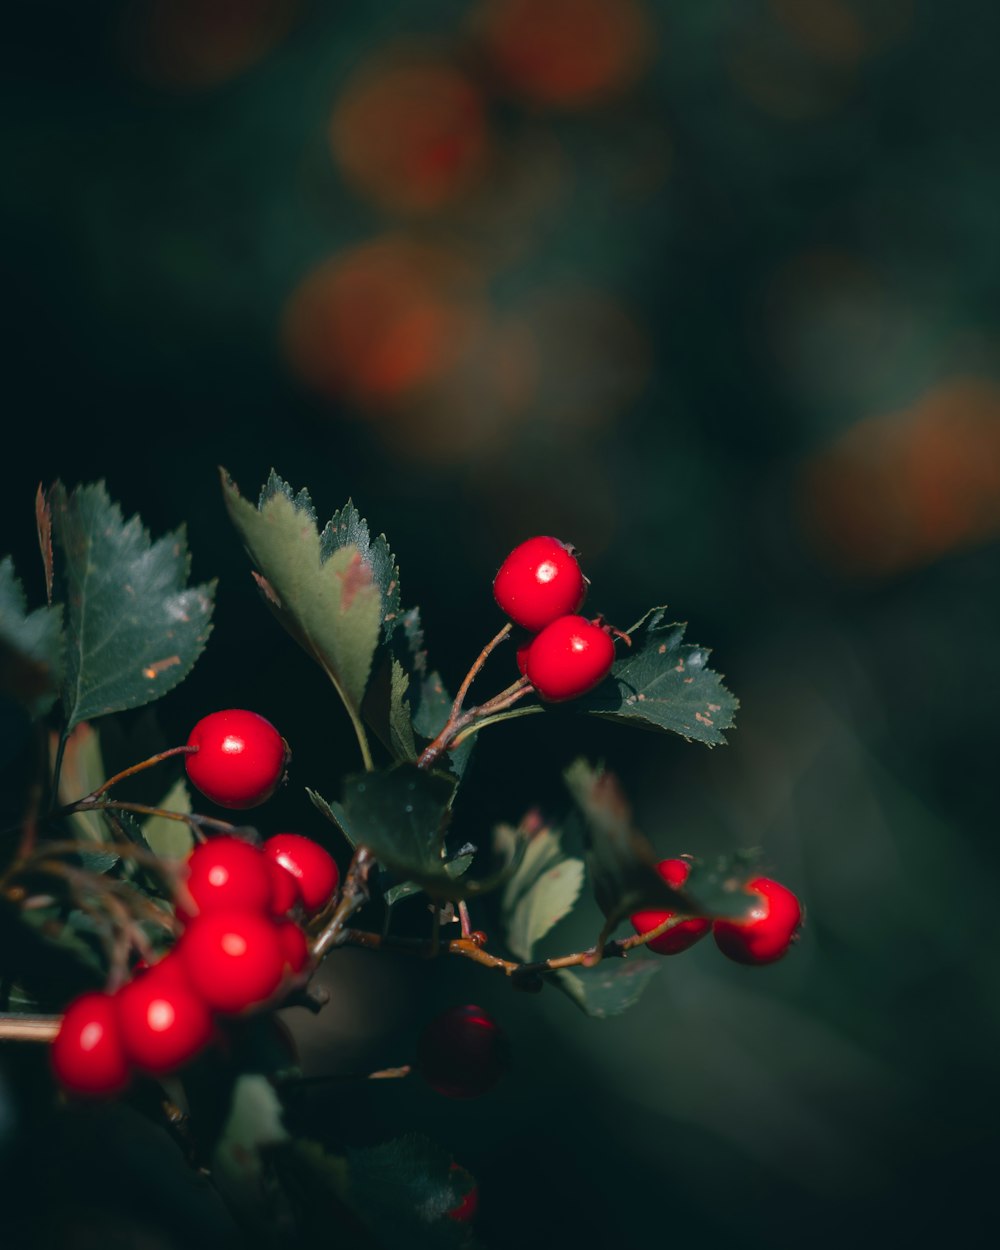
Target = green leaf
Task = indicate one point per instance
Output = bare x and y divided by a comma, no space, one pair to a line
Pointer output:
325,595
663,683
173,839
622,862
404,1190
134,627
31,646
254,1124
401,816
82,772
543,888
610,988
347,528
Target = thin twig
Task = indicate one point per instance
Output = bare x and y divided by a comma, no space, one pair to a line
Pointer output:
128,772
18,1028
353,897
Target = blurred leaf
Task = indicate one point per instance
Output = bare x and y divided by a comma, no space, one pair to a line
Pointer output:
663,683
43,523
327,599
254,1122
455,868
32,656
610,988
173,839
82,772
541,891
134,628
622,862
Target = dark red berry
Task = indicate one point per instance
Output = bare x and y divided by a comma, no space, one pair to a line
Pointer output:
232,959
684,934
241,758
226,874
569,657
521,654
768,931
314,869
87,1054
539,581
463,1053
467,1208
164,1022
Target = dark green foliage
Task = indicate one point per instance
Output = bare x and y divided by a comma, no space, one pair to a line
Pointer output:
133,627
31,646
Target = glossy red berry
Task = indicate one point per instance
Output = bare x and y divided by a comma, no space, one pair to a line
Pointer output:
463,1053
467,1208
164,1022
241,758
539,581
226,874
768,931
569,657
285,892
233,959
523,646
314,869
684,934
87,1054
294,945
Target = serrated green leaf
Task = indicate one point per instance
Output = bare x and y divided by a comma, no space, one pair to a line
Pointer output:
173,839
663,683
134,629
330,604
541,891
610,988
32,656
334,813
401,815
347,528
455,868
400,727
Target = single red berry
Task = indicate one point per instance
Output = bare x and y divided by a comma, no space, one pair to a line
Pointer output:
768,931
294,945
241,758
313,868
463,1053
684,934
87,1054
164,1022
539,581
285,892
569,657
467,1208
233,959
225,874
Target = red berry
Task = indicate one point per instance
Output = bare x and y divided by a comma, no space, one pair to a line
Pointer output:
539,581
226,874
87,1055
674,872
164,1023
233,959
523,647
294,945
768,931
314,869
285,892
241,758
462,1053
467,1208
569,657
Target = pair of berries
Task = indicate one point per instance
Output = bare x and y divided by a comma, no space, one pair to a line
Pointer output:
237,949
541,588
762,938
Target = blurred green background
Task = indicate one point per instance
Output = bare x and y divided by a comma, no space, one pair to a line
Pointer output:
708,288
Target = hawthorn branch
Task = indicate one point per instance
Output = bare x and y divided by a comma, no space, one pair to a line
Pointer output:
352,898
451,734
18,1028
126,772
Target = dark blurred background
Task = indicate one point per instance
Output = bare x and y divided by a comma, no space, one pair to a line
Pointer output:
708,288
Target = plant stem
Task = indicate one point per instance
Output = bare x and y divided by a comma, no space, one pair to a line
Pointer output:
448,736
128,772
353,897
18,1028
142,809
471,675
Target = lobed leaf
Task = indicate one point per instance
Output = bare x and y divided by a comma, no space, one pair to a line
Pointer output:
542,889
663,683
32,649
134,627
326,597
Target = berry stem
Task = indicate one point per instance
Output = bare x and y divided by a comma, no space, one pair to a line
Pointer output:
353,896
463,915
20,1028
127,772
456,723
471,675
142,809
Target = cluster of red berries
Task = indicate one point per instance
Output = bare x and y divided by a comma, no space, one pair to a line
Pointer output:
238,948
761,938
541,588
